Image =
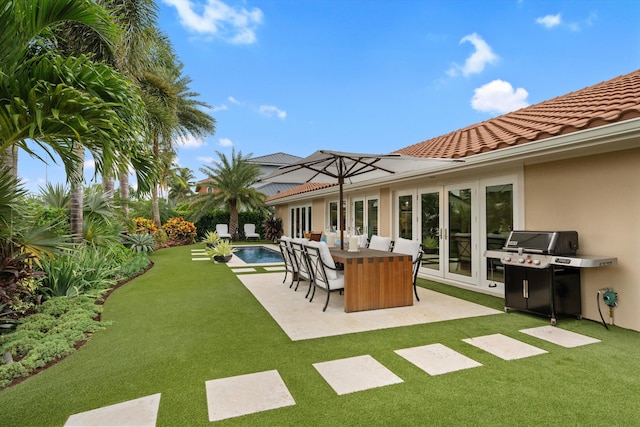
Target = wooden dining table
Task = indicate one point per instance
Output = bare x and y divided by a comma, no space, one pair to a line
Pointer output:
375,279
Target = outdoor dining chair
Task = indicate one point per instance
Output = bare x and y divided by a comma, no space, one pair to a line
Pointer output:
323,270
223,231
380,243
250,232
301,261
413,248
291,266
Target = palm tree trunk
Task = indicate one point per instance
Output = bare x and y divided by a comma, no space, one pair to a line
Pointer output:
155,206
107,186
10,160
233,220
77,194
124,192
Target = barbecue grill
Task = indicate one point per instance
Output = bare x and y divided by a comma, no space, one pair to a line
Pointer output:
542,272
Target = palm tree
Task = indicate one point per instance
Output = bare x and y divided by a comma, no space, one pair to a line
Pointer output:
180,181
22,21
231,180
65,103
172,111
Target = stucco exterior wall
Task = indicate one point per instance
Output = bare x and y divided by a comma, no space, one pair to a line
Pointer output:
385,212
599,197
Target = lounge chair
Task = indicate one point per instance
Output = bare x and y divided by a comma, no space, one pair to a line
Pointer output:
250,232
413,248
223,231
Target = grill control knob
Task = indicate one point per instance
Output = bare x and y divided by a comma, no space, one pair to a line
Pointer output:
521,260
507,259
536,262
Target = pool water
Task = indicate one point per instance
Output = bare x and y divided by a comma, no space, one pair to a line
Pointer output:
257,254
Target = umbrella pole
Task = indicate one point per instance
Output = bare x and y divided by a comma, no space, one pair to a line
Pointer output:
341,213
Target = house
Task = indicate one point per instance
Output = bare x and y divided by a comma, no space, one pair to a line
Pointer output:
268,164
568,163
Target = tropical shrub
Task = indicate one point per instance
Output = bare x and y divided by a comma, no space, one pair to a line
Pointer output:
179,230
78,272
144,225
272,228
143,242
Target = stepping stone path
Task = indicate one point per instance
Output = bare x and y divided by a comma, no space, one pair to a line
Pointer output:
251,393
199,255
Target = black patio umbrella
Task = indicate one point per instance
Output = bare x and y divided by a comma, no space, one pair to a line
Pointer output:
326,166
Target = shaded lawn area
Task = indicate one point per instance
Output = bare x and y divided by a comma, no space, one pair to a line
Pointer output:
184,322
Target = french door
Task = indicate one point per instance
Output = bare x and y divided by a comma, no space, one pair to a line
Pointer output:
300,220
457,223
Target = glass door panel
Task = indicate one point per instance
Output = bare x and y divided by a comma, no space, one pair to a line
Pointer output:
430,230
358,216
372,217
499,222
460,259
405,217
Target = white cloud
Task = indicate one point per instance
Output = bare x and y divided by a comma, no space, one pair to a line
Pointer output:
206,159
233,100
475,63
271,110
89,164
190,141
215,18
499,96
549,21
225,142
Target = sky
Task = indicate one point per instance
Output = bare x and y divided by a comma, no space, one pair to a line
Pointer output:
374,76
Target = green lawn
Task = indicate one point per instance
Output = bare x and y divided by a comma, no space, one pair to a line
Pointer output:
183,323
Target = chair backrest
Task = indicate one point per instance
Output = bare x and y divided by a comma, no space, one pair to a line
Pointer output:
410,247
222,229
380,243
287,256
249,229
301,258
326,258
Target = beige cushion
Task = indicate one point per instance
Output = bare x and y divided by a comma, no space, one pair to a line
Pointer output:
380,243
407,247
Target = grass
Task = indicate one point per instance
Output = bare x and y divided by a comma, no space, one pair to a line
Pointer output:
183,323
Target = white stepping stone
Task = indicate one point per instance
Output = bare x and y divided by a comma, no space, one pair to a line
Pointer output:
356,374
243,270
504,347
437,359
558,336
138,412
201,259
246,394
277,268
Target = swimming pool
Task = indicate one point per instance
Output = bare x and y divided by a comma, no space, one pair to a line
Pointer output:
257,254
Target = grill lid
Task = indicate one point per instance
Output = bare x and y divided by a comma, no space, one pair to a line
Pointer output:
543,242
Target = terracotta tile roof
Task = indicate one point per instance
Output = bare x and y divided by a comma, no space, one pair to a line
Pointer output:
302,188
608,102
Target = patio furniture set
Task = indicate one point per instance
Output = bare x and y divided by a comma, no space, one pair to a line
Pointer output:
380,275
